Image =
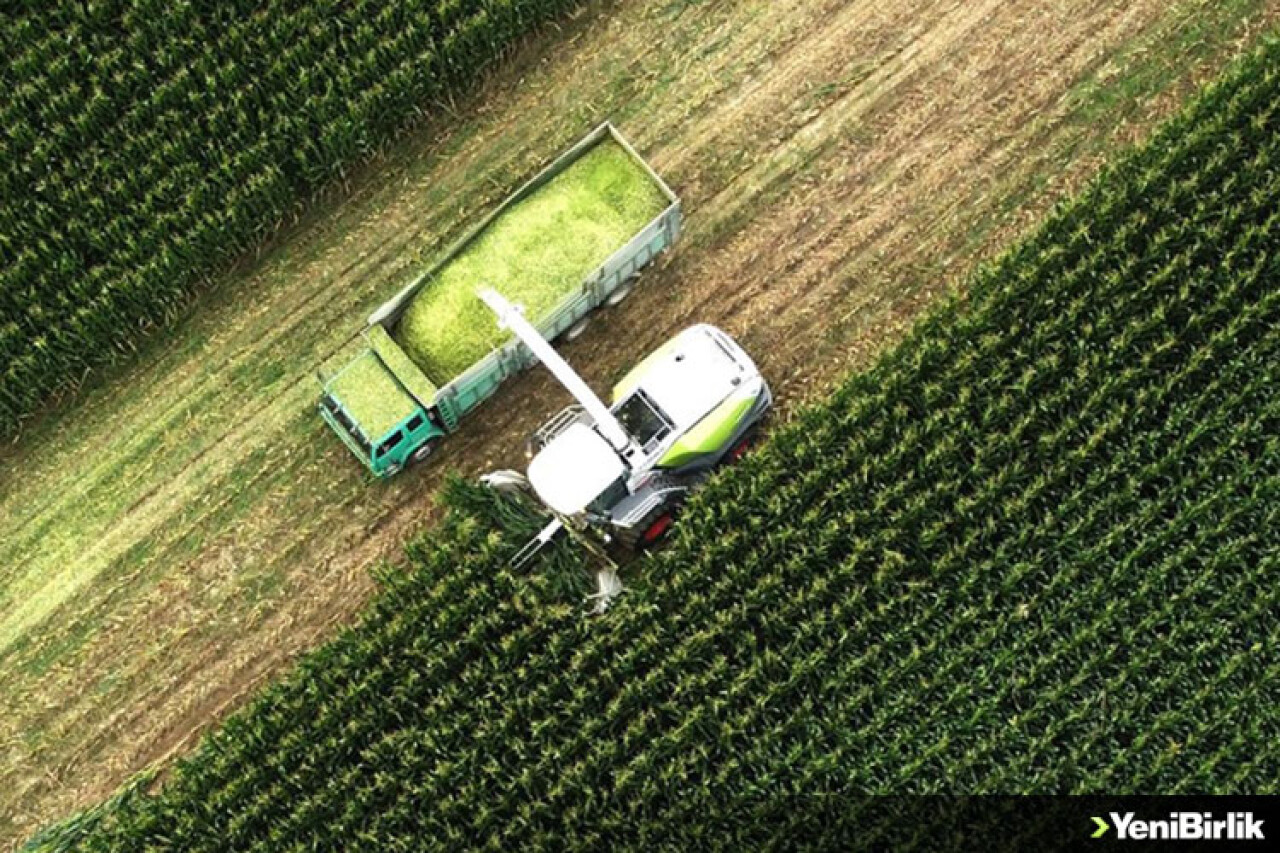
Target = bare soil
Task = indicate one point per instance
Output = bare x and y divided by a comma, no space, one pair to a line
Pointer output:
187,527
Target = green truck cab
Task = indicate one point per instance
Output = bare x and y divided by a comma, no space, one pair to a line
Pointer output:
372,409
391,405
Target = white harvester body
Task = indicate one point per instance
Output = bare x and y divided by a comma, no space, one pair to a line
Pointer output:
574,469
689,406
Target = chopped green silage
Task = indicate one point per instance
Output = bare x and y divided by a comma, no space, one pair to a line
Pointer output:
372,398
534,254
401,366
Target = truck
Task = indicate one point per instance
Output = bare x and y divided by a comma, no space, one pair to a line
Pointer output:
397,398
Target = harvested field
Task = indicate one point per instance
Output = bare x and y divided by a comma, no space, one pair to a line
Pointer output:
175,538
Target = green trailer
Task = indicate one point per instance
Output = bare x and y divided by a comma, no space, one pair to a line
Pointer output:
575,236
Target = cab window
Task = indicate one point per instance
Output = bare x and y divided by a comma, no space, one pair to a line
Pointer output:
413,424
390,444
643,419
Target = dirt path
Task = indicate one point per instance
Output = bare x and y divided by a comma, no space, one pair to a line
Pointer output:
190,527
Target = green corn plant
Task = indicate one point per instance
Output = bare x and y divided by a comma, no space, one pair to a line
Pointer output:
118,145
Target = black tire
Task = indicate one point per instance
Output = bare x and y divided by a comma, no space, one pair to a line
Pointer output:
424,451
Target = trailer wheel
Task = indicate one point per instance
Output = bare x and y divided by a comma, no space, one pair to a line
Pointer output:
424,450
623,291
576,330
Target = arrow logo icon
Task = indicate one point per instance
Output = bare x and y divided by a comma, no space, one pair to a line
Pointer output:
1102,828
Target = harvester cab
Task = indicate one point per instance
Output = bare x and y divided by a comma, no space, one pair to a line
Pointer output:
624,469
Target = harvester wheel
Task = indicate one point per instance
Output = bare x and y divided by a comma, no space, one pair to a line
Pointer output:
657,531
743,447
653,530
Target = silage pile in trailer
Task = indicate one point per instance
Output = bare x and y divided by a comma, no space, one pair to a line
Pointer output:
534,254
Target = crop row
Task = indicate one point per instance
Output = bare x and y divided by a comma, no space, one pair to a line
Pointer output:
142,145
1033,549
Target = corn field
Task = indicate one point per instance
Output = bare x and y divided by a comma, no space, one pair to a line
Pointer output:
1034,549
144,142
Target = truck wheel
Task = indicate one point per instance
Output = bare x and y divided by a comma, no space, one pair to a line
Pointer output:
427,448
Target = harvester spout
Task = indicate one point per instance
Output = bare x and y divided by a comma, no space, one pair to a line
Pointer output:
510,317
